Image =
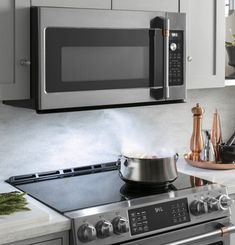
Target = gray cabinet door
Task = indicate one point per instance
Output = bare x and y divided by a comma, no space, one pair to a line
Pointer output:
205,53
147,5
61,238
98,4
14,49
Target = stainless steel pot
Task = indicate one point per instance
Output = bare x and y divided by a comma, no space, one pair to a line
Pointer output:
146,171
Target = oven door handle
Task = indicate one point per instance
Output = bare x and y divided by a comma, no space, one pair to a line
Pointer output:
164,25
223,231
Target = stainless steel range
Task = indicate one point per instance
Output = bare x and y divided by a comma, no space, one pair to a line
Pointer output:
105,210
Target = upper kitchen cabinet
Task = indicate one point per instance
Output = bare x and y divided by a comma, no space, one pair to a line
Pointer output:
147,5
95,4
14,49
205,53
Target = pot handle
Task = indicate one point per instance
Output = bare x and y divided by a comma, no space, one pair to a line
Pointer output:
176,157
121,160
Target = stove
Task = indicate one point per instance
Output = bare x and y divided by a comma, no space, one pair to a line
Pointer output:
105,210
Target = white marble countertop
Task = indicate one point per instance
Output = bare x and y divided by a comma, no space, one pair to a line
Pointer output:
229,82
55,223
224,177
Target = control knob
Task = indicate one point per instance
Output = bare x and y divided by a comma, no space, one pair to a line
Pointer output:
104,228
198,207
225,202
120,225
173,46
213,204
86,233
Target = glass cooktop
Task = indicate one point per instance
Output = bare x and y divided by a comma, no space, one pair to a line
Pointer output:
90,186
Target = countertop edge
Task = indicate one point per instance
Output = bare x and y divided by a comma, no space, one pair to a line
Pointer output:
223,177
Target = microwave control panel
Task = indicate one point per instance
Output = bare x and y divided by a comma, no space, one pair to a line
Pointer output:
176,58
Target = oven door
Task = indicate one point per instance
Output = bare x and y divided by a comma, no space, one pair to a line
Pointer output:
99,57
203,234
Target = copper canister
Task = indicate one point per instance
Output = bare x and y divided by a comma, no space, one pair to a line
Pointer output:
216,135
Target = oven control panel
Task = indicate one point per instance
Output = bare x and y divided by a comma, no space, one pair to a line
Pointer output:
158,216
137,218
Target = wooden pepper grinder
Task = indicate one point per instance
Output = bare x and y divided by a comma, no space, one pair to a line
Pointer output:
196,143
216,135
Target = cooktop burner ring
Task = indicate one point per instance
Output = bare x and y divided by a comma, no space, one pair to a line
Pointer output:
129,191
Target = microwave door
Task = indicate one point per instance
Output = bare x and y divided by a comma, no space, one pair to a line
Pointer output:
159,58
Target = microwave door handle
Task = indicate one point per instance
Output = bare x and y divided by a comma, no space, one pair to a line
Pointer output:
164,25
166,33
155,92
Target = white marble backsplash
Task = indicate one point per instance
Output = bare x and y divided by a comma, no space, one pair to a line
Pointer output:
33,142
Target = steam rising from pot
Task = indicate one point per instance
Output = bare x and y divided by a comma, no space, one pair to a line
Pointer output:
138,135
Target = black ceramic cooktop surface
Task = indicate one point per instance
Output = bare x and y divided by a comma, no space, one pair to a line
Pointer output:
79,188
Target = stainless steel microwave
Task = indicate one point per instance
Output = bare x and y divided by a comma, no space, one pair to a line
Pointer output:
100,58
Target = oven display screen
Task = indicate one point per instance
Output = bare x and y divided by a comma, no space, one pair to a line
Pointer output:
158,216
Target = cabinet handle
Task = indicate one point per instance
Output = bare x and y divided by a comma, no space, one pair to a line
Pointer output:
25,62
189,58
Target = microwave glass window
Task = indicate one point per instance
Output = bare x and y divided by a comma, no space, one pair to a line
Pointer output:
106,63
79,59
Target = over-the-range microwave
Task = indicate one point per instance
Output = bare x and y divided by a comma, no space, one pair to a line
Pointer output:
84,58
